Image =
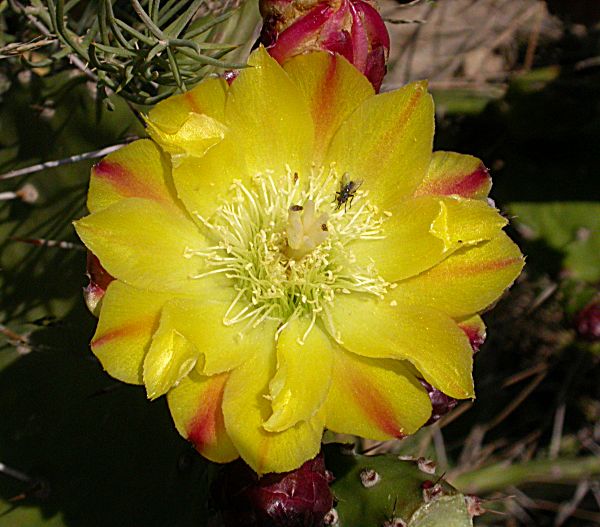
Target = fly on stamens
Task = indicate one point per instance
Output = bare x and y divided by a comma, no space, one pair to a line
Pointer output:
347,192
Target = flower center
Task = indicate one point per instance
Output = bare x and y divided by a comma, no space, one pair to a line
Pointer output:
286,245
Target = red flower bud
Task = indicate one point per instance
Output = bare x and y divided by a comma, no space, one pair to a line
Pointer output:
99,280
300,498
440,402
587,322
352,28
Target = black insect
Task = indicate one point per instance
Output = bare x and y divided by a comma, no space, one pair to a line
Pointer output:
347,192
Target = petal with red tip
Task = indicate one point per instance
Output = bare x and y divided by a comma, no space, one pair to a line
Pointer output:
246,408
456,174
269,119
474,328
466,282
374,398
128,318
195,406
427,338
333,89
303,375
387,143
138,170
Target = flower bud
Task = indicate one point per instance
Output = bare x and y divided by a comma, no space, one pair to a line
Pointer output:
98,282
352,28
441,403
587,322
300,498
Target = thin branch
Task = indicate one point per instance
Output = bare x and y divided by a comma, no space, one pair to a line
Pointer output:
500,475
66,161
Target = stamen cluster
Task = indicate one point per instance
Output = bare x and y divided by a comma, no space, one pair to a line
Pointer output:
287,248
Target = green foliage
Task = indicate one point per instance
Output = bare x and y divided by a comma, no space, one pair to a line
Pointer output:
145,50
570,228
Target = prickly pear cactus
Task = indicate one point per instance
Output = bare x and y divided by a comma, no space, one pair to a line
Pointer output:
386,491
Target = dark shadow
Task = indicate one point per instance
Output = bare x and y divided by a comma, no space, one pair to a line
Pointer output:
101,452
541,139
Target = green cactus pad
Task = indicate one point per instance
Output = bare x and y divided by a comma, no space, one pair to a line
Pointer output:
387,491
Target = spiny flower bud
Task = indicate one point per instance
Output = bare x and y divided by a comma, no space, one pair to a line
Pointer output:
352,28
300,498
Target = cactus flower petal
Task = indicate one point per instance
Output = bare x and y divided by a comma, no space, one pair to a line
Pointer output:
456,174
207,98
195,405
474,328
387,142
170,358
428,338
301,383
286,254
246,408
219,349
128,319
99,281
274,131
138,170
201,181
333,89
421,232
375,398
468,281
128,236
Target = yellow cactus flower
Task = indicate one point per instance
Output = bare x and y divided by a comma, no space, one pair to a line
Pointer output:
289,256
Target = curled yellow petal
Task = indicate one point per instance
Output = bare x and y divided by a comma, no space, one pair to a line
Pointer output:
246,408
419,233
303,375
170,358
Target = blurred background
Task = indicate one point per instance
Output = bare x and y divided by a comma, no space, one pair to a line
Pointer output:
516,83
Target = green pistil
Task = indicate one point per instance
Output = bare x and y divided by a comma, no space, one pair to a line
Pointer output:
287,251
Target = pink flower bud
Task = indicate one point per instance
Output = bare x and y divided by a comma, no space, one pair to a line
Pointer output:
352,28
297,498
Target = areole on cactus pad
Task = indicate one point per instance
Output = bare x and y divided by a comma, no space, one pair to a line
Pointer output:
289,256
